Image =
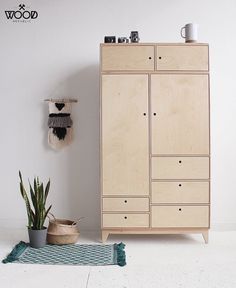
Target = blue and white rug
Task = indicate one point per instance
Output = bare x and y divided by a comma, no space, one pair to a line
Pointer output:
72,254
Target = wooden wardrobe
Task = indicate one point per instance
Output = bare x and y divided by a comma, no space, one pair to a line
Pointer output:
155,139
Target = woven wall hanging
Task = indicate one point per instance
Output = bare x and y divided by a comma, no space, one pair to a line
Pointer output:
60,133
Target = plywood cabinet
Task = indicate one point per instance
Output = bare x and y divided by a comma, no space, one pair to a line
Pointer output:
155,143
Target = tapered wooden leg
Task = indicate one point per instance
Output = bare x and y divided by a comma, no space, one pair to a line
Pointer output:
104,236
205,236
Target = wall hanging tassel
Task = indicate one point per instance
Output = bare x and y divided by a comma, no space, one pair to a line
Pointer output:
60,132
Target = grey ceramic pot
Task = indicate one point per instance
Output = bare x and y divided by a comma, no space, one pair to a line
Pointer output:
37,237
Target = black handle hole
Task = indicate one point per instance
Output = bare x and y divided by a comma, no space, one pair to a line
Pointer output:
149,57
180,161
180,209
144,114
180,185
125,201
159,57
125,217
154,114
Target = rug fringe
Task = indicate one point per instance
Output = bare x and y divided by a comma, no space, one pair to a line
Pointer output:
121,259
15,253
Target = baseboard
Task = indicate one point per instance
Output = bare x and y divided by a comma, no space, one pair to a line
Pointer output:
223,227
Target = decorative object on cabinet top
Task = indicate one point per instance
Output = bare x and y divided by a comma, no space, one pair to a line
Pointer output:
190,32
134,38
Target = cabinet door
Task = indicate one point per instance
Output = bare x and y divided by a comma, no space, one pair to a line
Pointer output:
182,57
180,114
125,165
123,57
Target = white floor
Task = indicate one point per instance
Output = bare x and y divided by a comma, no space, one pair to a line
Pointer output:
173,261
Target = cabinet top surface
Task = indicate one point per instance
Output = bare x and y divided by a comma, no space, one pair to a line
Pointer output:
144,44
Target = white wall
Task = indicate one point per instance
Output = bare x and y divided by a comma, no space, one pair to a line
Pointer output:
57,55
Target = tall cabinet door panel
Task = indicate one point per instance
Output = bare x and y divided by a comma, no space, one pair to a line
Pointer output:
180,114
125,161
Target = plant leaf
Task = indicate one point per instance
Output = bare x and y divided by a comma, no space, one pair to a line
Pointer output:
47,190
32,194
46,213
27,202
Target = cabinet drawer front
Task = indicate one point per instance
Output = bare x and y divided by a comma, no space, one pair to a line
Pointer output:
180,192
182,58
127,57
126,204
180,168
125,220
180,216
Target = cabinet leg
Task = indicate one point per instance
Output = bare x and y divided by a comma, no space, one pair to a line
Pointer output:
104,236
205,236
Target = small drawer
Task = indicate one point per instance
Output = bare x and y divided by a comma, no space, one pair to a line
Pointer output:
125,220
127,57
180,216
180,192
125,204
182,57
180,168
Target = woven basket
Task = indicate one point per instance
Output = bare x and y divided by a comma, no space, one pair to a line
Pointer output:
62,231
62,239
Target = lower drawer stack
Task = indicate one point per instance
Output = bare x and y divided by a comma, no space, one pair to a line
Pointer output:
125,212
178,201
180,192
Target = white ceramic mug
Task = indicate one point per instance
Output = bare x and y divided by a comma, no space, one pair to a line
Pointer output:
190,32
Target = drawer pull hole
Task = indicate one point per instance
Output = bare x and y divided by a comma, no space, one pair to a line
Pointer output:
154,114
180,209
125,201
144,114
180,185
159,57
125,217
180,161
149,57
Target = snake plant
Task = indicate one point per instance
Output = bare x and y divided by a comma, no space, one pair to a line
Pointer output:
36,203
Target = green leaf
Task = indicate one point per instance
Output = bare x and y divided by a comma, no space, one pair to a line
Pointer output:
47,190
46,213
32,194
27,202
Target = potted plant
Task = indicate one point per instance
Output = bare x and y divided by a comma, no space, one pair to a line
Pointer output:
36,211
